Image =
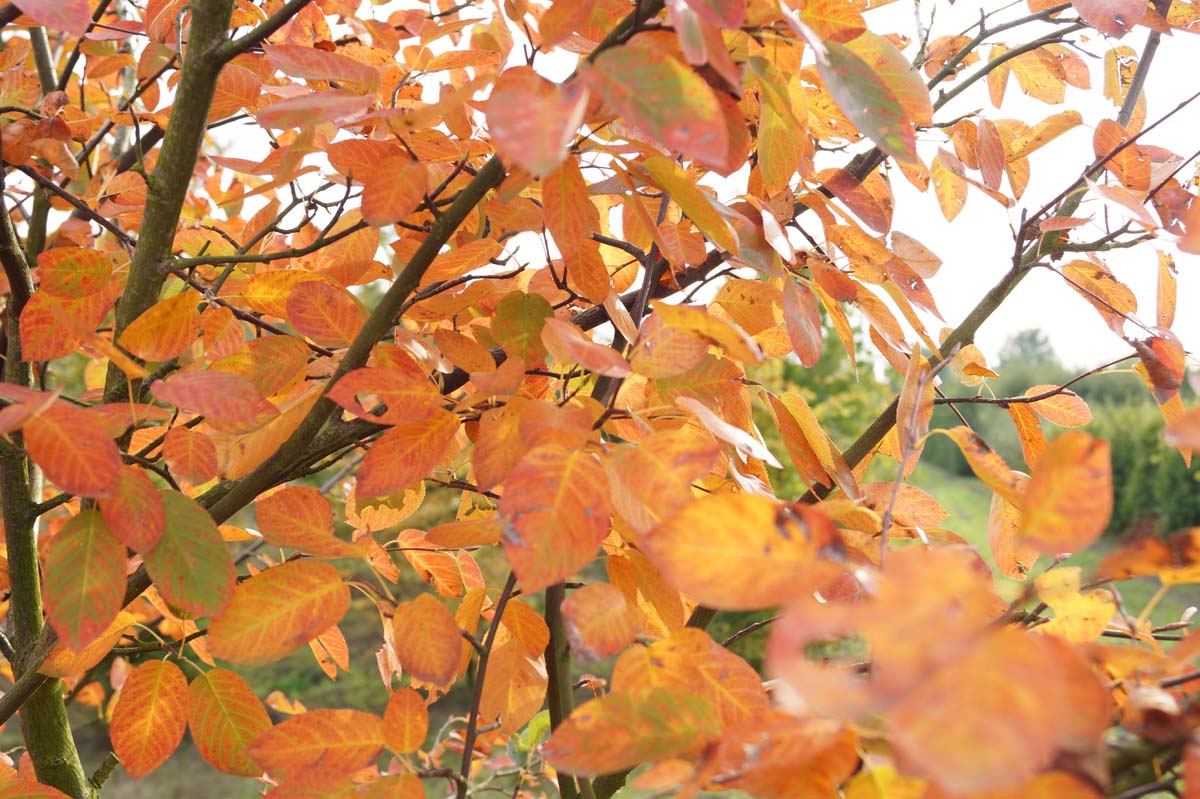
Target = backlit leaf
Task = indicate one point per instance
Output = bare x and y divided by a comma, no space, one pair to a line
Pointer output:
191,455
150,717
619,731
84,585
599,621
73,271
567,343
1079,618
168,328
569,213
301,518
743,552
1069,498
989,467
68,16
218,396
1066,408
327,314
225,716
1113,18
313,109
426,640
867,101
393,189
665,99
135,512
278,611
532,121
555,510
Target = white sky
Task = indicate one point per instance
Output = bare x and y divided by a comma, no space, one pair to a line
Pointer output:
977,247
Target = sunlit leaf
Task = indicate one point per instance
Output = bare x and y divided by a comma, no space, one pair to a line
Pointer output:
532,121
426,640
1068,501
339,741
84,587
619,731
225,717
150,717
405,721
278,611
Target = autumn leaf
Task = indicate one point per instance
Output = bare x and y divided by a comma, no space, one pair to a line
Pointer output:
72,449
426,640
167,329
340,741
190,564
69,16
743,552
225,717
406,454
85,579
555,511
405,721
300,517
150,717
599,621
619,731
663,97
135,513
278,611
532,121
1068,501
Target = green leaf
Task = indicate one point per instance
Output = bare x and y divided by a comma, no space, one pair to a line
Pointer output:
518,325
867,101
190,564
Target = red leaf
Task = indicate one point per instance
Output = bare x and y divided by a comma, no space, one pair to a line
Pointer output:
803,319
1111,17
329,315
73,450
70,16
134,513
532,121
217,396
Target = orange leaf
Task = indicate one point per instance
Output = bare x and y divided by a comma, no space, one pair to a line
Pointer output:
167,328
225,717
803,321
532,121
570,215
339,741
1069,498
515,687
526,626
405,721
404,389
64,662
312,109
191,455
73,450
405,455
150,716
427,640
1013,558
28,789
393,189
1029,432
299,517
278,611
73,271
84,583
329,315
599,621
1066,409
315,64
134,513
567,343
619,731
989,467
555,509
742,552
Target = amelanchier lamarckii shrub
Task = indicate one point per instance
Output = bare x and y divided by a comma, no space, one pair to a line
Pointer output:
274,270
